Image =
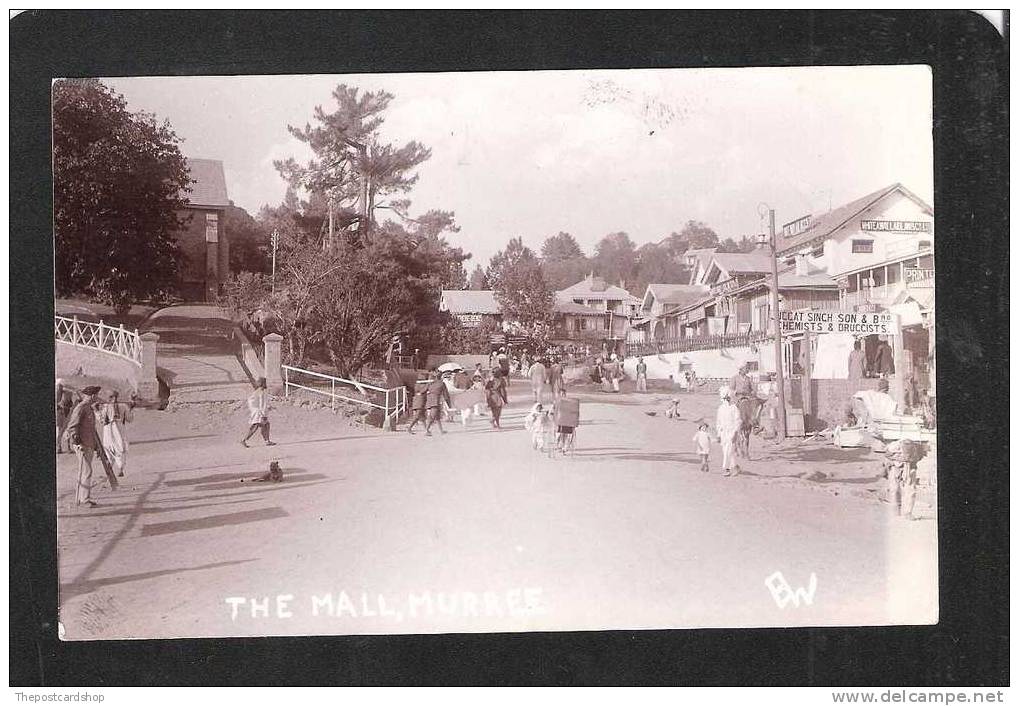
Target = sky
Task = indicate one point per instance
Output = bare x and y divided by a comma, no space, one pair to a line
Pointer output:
532,153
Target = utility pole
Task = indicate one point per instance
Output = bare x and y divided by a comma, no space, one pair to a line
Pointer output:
274,240
779,374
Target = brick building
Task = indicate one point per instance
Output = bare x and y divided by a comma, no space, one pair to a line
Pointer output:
205,245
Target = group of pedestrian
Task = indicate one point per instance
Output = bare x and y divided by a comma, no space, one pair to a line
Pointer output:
547,373
432,400
93,428
607,372
881,363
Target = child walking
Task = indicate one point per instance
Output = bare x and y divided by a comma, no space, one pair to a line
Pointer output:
702,442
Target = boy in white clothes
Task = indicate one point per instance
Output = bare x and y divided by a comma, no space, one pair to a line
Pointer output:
702,442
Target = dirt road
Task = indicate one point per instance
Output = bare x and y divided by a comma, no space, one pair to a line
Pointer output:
376,532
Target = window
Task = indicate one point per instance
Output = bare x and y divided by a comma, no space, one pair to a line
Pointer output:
583,324
854,283
818,250
211,228
926,262
878,275
578,301
923,244
862,246
605,323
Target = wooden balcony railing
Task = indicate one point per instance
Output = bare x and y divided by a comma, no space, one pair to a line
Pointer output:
697,343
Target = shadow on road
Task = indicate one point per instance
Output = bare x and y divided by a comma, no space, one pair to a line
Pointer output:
212,521
70,590
173,438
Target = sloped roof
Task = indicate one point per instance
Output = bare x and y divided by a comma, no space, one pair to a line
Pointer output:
571,307
825,225
791,280
738,262
208,186
469,301
590,288
677,294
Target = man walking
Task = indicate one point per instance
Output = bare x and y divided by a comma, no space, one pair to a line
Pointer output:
727,424
258,408
81,432
641,375
419,407
435,395
538,376
556,380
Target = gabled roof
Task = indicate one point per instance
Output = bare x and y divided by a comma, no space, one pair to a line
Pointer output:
674,294
208,186
743,262
825,225
469,301
565,306
592,287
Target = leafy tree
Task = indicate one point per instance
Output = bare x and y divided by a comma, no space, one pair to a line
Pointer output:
249,241
352,168
477,280
344,304
694,235
655,264
560,274
562,246
520,288
745,244
119,181
615,258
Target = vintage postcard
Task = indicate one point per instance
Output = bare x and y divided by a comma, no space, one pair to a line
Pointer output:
495,352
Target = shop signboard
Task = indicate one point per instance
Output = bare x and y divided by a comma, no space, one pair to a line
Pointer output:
896,226
497,339
823,321
469,320
920,277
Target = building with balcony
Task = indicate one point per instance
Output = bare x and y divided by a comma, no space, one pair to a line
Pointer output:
880,250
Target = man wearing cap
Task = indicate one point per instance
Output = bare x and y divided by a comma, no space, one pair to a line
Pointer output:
81,432
435,394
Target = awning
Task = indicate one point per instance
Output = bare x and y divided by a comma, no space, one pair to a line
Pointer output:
908,313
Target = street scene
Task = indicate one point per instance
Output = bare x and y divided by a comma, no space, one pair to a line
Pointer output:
396,353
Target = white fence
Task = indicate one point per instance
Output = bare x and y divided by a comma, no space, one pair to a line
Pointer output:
394,400
98,336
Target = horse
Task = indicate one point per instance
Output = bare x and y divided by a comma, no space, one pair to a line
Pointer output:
750,421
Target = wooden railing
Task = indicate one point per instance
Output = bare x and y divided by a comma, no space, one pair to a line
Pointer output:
696,343
98,336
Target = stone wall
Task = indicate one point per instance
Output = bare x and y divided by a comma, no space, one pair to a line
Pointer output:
93,363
